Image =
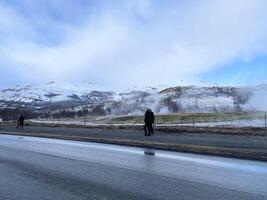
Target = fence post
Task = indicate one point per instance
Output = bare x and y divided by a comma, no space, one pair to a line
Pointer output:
193,122
265,119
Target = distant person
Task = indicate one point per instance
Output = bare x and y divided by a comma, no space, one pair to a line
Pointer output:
149,120
146,122
20,122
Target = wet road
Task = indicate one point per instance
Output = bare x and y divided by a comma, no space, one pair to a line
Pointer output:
257,143
38,168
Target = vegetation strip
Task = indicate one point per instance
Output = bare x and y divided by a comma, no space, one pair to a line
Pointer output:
197,149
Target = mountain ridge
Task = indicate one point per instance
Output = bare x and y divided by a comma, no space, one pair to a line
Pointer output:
92,98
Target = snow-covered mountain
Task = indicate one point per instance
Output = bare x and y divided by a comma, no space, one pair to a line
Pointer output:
91,98
49,92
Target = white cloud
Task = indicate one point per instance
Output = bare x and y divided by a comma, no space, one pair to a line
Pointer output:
141,42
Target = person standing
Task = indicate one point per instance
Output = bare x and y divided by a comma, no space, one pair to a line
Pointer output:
21,121
146,122
149,120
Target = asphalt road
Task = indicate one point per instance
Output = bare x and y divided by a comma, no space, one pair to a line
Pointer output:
38,168
258,143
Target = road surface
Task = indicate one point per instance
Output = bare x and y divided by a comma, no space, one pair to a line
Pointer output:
258,143
39,168
236,146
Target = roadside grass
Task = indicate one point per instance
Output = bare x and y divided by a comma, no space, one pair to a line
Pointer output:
177,118
184,118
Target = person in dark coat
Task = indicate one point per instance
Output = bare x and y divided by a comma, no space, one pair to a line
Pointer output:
21,121
149,120
146,121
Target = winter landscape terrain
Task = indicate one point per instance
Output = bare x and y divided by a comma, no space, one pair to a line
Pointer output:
99,104
62,96
54,100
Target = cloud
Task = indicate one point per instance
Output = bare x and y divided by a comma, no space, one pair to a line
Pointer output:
138,42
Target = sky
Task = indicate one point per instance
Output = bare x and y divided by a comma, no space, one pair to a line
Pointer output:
133,42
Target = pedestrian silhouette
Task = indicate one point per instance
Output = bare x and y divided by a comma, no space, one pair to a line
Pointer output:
149,120
20,121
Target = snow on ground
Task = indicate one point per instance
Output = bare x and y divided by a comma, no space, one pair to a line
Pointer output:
232,123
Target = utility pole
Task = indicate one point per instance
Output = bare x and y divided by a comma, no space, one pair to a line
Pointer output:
265,119
1,121
59,117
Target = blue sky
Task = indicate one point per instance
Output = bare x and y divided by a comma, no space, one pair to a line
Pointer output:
239,72
133,42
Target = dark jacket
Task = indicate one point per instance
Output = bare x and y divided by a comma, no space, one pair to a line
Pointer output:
149,117
21,118
146,116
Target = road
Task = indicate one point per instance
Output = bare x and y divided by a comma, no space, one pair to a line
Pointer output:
39,168
258,143
236,146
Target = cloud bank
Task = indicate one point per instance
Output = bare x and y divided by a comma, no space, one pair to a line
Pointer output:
135,42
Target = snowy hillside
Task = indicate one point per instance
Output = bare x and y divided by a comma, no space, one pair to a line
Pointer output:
49,92
91,98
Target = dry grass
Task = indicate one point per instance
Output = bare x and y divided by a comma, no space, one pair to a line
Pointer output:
182,118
